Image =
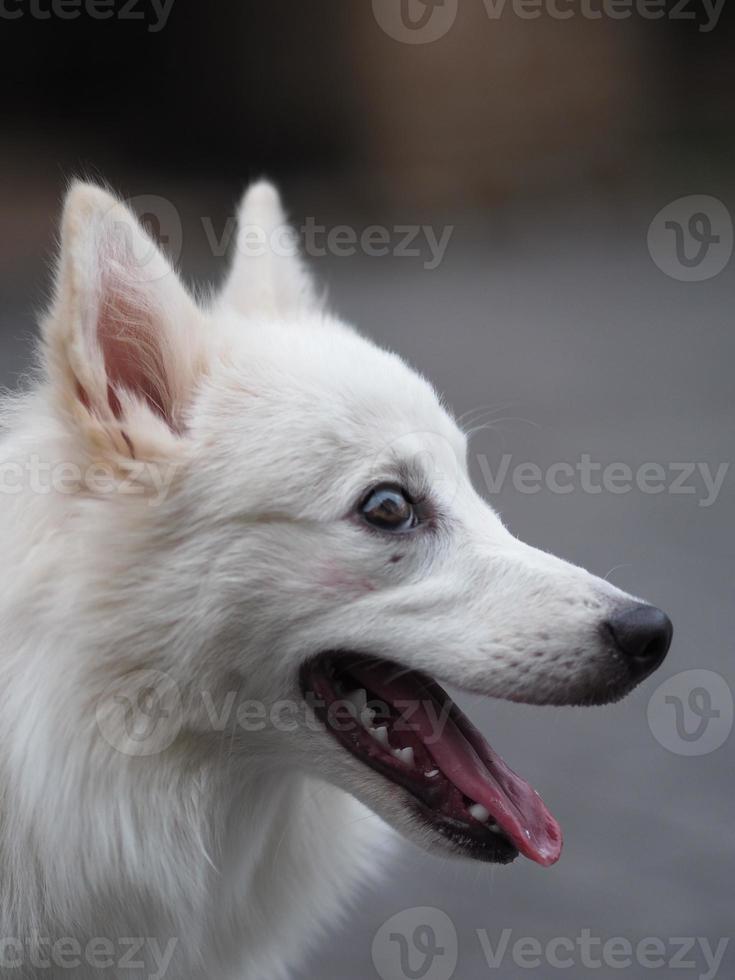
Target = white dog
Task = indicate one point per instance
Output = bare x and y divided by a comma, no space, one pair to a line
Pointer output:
241,551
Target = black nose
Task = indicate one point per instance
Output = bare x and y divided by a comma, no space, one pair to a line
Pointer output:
643,634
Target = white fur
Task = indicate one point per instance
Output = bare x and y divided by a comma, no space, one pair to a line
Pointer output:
273,418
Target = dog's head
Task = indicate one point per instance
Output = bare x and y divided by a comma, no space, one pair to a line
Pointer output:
320,545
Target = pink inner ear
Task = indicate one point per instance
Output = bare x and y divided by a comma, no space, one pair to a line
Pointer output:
131,345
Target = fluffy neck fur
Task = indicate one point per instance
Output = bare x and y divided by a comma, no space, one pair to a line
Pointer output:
200,846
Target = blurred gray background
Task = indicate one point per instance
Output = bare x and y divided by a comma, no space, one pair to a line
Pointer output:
548,147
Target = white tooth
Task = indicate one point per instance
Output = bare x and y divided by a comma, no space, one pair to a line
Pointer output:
405,755
479,812
358,699
494,827
367,717
432,773
381,735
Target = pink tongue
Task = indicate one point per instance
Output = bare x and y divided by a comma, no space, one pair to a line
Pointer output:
470,763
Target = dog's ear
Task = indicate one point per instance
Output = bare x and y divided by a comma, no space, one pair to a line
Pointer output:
123,342
267,276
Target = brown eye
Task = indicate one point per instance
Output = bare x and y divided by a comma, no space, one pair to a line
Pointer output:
389,508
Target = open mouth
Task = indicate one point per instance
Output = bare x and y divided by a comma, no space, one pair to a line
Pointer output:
405,726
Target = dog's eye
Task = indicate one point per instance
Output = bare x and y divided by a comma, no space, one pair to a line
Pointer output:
389,508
